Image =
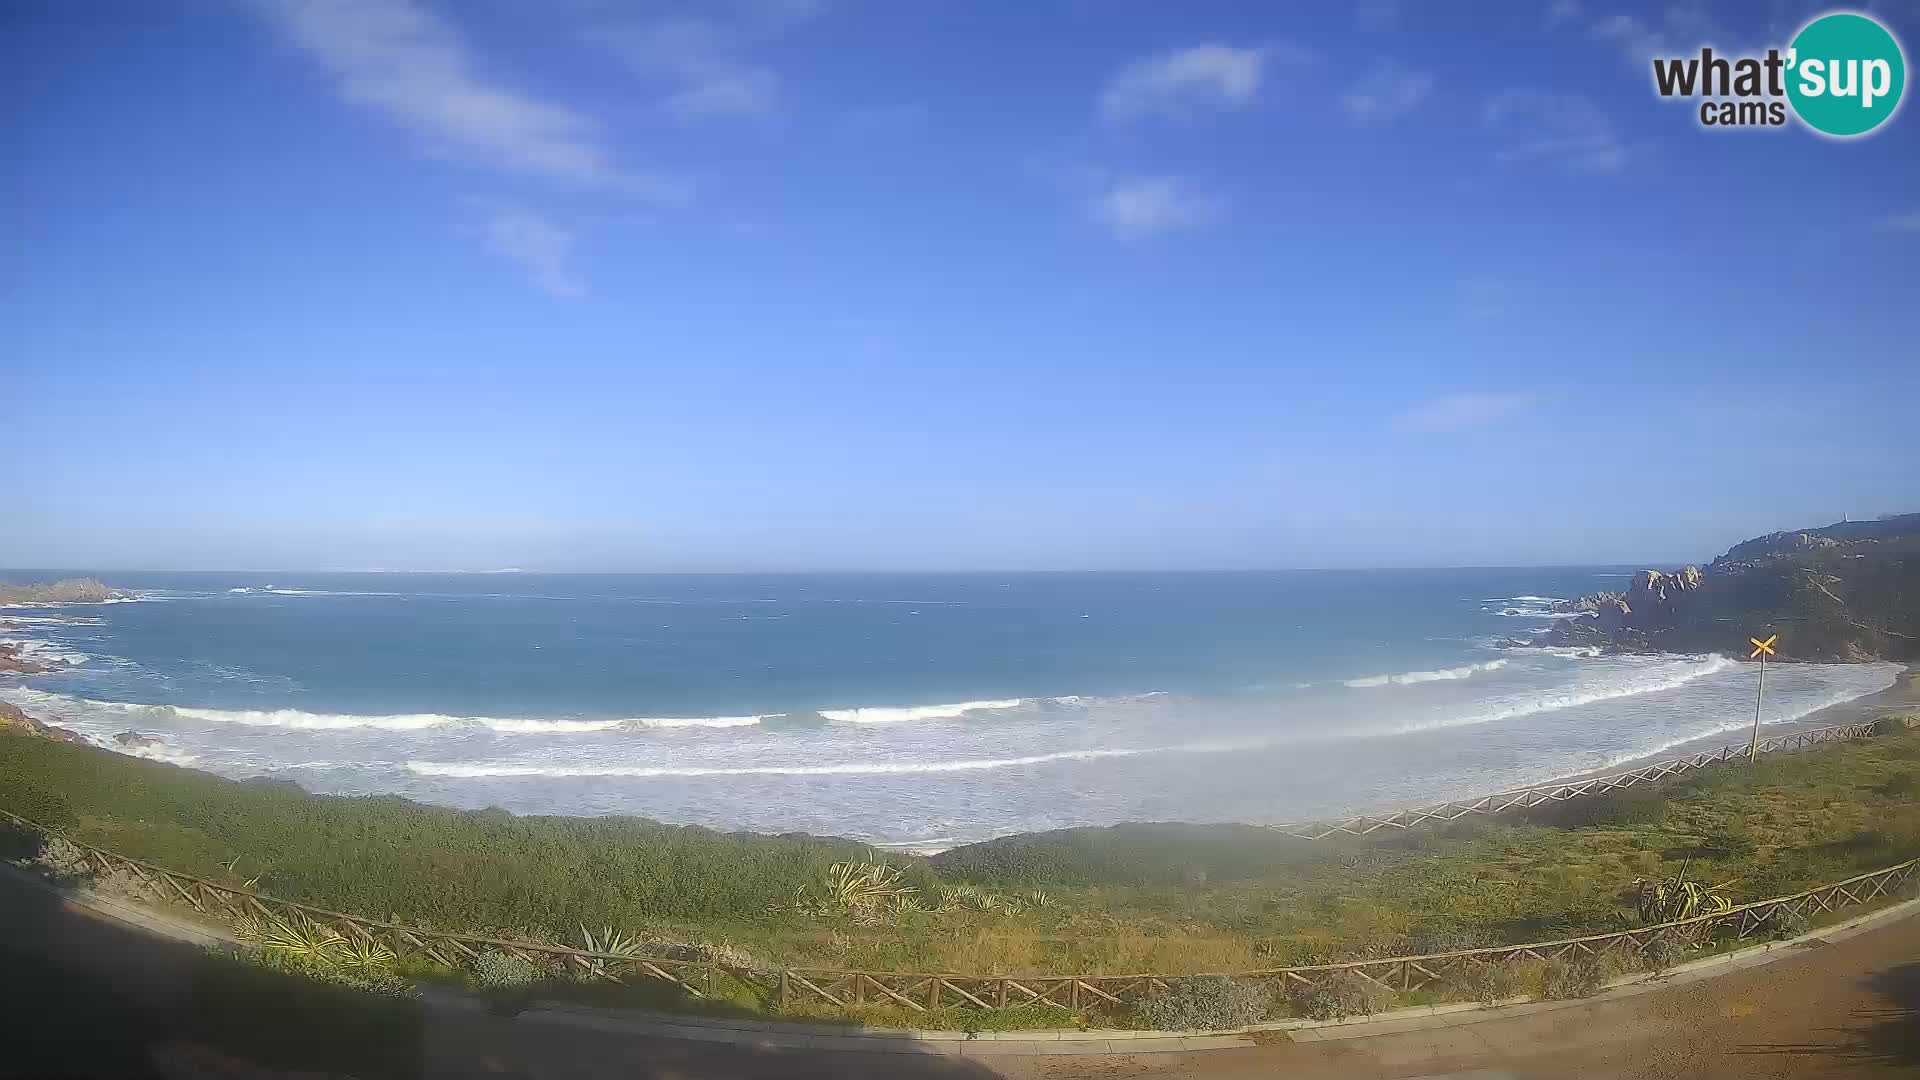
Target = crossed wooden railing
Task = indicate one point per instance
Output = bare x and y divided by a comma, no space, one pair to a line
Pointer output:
1562,790
920,992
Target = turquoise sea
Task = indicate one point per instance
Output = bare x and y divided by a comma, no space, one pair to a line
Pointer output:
915,710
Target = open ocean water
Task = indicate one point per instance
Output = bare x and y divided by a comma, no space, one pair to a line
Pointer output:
912,710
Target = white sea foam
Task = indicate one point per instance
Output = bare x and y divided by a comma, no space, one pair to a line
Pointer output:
1640,681
158,752
1799,712
471,770
697,721
47,652
1404,678
295,718
898,714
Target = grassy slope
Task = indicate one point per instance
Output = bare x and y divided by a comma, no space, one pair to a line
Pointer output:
1165,898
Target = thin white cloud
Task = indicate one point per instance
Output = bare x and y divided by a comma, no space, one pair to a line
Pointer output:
701,61
1462,412
1211,76
544,250
1907,222
397,58
1144,206
1387,90
1565,130
1562,11
1680,28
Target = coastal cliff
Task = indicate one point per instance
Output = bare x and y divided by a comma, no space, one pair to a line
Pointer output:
1848,592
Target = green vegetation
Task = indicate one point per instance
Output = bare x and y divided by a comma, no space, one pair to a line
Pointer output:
1206,1003
1167,898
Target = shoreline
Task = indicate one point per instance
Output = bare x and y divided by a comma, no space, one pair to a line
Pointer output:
1903,695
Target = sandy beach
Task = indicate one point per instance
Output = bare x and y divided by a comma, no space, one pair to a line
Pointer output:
1900,698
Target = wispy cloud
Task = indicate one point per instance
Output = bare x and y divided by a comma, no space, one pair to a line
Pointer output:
395,57
1462,412
1566,130
1144,206
1387,90
1204,76
1562,11
1680,28
1376,14
543,249
701,60
1907,222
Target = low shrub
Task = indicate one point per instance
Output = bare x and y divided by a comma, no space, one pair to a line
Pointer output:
1206,1003
502,971
1490,984
1662,953
1784,922
505,980
1579,978
1341,995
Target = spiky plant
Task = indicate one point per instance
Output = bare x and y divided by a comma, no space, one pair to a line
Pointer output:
1671,899
612,942
296,938
364,956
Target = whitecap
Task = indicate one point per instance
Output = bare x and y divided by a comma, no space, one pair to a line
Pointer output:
897,714
1408,677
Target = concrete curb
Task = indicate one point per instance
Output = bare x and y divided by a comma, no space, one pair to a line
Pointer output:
823,1037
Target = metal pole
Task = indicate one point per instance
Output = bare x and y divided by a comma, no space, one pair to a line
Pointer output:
1753,747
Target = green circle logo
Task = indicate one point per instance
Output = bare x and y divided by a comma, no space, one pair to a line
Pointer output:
1845,74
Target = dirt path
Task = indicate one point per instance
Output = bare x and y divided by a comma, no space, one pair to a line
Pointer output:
88,995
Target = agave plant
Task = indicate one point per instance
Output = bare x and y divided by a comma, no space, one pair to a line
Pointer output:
1671,899
365,956
609,941
297,938
865,885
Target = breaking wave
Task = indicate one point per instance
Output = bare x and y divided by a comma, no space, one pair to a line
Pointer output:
1407,677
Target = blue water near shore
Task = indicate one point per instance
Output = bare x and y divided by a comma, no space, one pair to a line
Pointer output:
917,710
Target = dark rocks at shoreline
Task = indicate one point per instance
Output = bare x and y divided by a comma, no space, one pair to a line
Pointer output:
1846,593
65,591
133,739
14,662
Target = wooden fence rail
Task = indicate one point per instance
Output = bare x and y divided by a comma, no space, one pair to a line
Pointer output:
1562,790
779,987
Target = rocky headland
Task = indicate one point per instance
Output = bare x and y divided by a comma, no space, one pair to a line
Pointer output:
1848,592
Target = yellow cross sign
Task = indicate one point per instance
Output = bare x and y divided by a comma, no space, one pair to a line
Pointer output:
1760,647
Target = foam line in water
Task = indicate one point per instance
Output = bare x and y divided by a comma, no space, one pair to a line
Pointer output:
895,715
1404,678
493,769
297,718
1635,683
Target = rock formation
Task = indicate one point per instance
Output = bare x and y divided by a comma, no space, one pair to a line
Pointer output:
1847,592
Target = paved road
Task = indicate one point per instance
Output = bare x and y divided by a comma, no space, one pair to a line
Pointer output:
87,996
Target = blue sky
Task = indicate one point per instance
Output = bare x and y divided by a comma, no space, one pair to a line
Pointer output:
790,285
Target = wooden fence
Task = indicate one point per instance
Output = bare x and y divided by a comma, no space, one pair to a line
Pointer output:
777,988
1562,790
